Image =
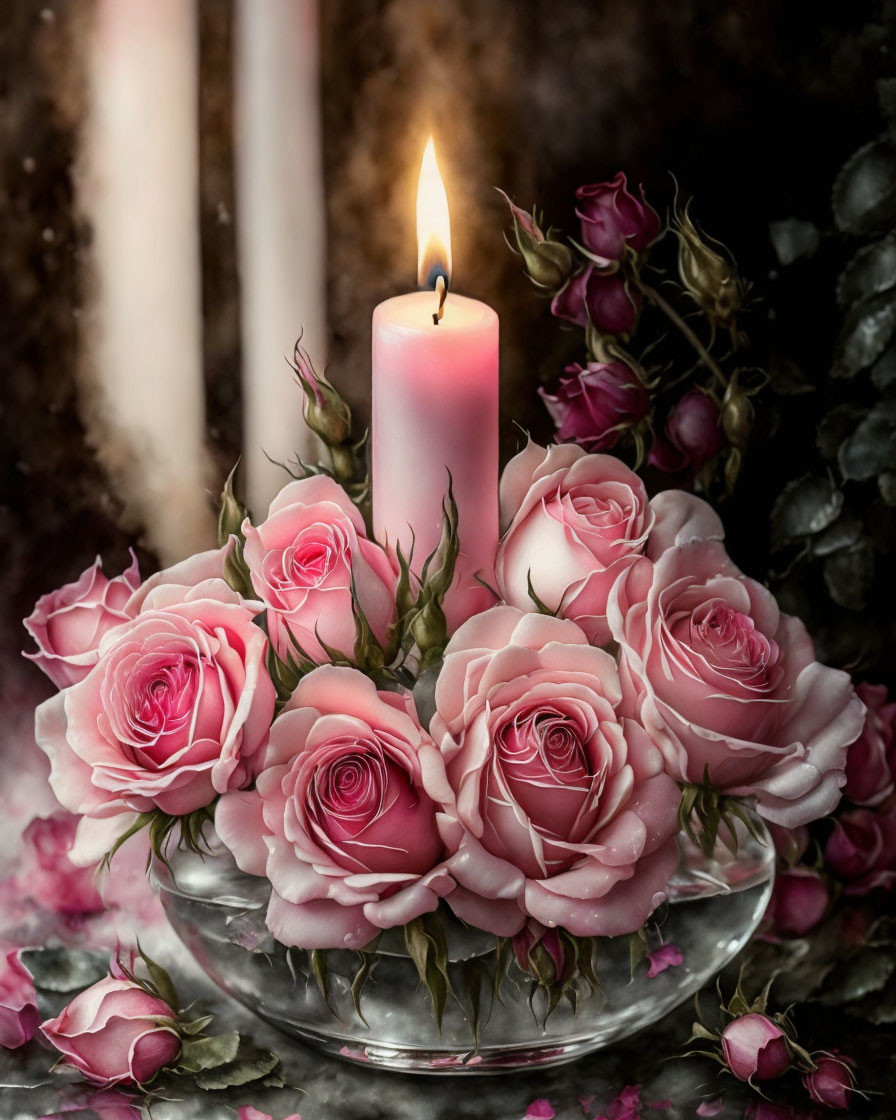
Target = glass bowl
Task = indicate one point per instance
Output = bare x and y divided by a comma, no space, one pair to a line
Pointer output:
715,904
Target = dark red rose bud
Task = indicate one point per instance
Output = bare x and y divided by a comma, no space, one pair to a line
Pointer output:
861,850
593,406
871,762
833,1082
613,218
613,307
691,436
798,902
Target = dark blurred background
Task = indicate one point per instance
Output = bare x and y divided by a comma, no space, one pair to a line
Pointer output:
753,106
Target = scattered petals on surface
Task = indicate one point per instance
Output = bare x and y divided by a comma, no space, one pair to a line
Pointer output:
247,1112
667,956
540,1109
710,1108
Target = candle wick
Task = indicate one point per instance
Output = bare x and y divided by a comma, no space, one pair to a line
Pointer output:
442,289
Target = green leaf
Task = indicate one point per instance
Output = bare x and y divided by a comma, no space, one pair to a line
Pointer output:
849,575
871,448
864,198
868,327
250,1065
804,507
793,239
209,1053
871,271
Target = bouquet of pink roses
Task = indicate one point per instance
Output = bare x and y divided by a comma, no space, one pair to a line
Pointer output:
533,769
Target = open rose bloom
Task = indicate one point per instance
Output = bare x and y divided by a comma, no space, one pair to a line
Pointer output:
542,796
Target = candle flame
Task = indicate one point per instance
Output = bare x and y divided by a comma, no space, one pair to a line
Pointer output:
433,223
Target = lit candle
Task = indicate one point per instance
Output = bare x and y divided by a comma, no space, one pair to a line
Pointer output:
435,411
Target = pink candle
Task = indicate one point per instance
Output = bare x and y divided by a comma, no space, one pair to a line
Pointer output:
435,411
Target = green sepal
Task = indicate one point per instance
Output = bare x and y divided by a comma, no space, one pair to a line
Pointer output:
637,949
232,513
476,977
367,962
424,938
541,607
320,967
703,811
160,984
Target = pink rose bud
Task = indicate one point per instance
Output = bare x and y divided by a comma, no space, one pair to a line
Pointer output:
592,406
607,300
110,1033
48,875
755,1048
691,435
67,624
613,218
798,902
833,1082
539,950
871,762
19,1019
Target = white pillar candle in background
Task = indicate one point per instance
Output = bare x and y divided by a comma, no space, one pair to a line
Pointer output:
138,186
281,229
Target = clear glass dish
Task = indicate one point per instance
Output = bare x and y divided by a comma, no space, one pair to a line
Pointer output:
218,912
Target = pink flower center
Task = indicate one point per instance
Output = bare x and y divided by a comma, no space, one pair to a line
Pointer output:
307,562
161,699
730,642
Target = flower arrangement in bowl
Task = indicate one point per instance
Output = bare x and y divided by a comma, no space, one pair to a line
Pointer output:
550,817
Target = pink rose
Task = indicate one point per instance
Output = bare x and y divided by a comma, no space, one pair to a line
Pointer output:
755,1048
174,712
607,300
613,219
861,850
594,405
871,762
303,560
798,903
110,1033
19,1019
67,624
833,1082
561,810
575,522
691,435
723,682
47,874
342,820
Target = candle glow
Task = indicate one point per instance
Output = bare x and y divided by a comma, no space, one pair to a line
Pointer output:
433,222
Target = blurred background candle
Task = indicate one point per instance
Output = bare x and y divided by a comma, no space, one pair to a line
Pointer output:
281,227
435,410
138,188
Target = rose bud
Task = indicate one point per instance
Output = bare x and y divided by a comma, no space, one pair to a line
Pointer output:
871,762
326,413
798,902
548,262
67,624
832,1082
755,1047
19,1019
691,435
861,850
711,280
111,1033
592,406
539,950
604,300
612,218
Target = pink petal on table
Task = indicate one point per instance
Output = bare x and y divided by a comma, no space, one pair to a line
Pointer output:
667,956
586,1102
540,1109
711,1108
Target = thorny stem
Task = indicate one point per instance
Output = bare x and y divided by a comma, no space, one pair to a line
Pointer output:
672,315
